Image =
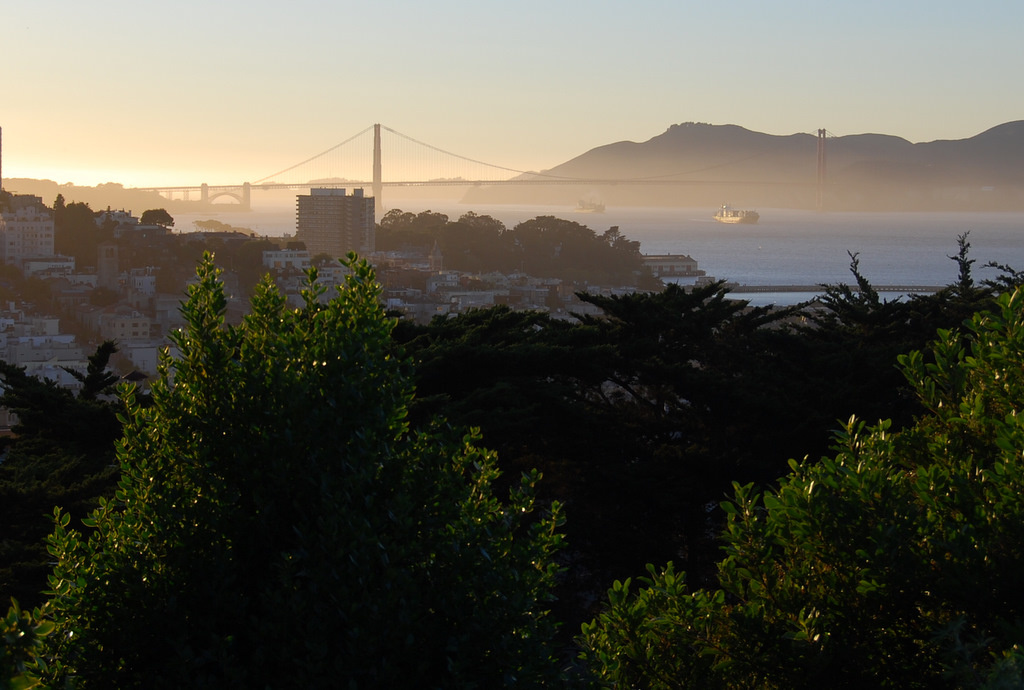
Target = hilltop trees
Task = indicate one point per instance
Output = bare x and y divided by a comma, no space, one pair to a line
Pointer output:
278,523
157,216
545,247
75,232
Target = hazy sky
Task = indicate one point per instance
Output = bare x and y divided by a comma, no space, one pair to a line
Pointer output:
221,91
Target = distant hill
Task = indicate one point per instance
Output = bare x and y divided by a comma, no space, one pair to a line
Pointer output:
708,165
713,164
100,197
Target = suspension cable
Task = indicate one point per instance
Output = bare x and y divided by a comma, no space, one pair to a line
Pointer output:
313,158
454,155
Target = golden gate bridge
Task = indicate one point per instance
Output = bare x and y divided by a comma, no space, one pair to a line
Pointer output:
359,162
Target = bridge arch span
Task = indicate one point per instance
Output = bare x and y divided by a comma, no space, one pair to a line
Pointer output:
217,195
243,194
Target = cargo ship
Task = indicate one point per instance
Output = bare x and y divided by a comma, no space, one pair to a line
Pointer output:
589,206
728,214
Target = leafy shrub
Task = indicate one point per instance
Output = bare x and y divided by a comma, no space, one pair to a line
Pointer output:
895,563
277,524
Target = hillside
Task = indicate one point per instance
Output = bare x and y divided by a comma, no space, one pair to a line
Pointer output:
703,164
108,195
697,164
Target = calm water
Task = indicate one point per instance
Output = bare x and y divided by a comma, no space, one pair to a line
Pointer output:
785,248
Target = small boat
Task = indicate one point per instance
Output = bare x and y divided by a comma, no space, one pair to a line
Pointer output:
589,206
728,214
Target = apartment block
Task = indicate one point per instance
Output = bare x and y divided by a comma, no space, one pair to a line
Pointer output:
331,222
26,230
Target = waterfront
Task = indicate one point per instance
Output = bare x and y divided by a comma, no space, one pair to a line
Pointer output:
786,247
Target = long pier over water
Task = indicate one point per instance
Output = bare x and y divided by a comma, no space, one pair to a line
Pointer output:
913,289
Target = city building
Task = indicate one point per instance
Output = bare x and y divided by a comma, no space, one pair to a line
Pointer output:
108,269
284,259
26,231
116,220
331,222
48,266
672,266
123,324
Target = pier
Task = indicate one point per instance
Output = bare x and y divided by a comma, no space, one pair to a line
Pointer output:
913,289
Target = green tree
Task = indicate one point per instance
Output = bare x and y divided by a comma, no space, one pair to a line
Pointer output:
544,247
246,260
75,232
843,363
157,216
97,379
894,563
638,418
61,453
398,229
554,247
21,647
278,524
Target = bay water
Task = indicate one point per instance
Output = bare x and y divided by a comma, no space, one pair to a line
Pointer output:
786,247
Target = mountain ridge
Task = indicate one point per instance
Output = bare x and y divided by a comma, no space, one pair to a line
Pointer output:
704,164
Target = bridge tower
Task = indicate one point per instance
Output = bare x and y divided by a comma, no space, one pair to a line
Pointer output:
378,186
821,170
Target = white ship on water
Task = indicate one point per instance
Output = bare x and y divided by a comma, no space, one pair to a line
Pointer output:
728,214
590,206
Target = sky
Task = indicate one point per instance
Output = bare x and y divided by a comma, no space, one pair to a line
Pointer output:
158,94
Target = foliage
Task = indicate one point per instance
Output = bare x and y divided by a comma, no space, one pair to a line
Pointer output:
75,232
247,261
157,216
549,246
894,563
545,247
843,363
215,225
61,454
97,380
278,523
22,634
638,418
642,417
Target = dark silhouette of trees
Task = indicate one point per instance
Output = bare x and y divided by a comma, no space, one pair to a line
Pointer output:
97,380
894,562
157,216
545,247
278,523
641,420
643,417
62,453
75,232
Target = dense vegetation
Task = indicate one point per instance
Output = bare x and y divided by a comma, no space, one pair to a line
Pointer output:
895,562
281,445
642,421
544,247
63,455
643,418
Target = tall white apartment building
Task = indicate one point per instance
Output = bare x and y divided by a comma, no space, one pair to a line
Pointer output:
26,231
331,222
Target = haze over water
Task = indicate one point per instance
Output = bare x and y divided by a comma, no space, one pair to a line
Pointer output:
787,247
